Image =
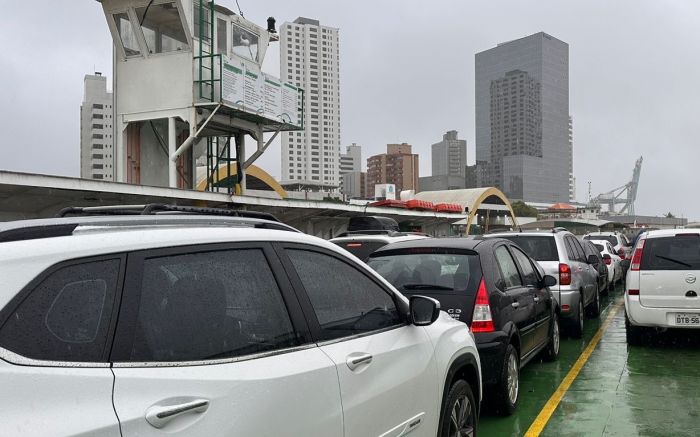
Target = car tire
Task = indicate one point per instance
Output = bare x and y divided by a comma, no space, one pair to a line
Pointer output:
507,391
576,323
460,400
551,353
634,334
594,307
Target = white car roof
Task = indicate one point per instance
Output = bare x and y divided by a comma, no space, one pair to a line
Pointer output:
669,232
380,237
22,260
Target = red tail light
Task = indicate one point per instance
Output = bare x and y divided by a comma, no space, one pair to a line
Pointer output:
481,318
633,292
607,261
564,274
637,257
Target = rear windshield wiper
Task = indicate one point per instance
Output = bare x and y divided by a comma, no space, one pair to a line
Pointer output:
673,260
426,287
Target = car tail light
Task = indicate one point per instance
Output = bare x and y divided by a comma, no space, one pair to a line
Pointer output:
631,292
481,318
621,252
564,274
354,245
607,261
637,257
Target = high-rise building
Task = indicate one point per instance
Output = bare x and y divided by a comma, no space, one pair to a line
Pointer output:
96,130
572,179
522,119
449,156
350,162
398,166
354,184
309,59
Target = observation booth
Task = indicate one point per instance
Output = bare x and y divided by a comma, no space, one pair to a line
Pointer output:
188,89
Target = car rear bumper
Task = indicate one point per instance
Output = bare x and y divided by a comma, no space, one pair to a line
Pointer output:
492,348
640,315
568,302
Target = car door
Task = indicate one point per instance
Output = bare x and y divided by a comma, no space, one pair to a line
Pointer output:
541,296
581,269
211,341
602,271
54,370
386,367
522,299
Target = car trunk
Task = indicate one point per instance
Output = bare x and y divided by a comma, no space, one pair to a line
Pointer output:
448,275
669,274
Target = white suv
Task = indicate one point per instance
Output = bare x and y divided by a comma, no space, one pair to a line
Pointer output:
662,288
202,325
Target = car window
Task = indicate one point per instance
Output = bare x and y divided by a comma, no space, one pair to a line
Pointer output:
570,251
600,248
611,238
680,252
511,277
67,316
451,273
348,303
579,249
529,275
210,305
540,248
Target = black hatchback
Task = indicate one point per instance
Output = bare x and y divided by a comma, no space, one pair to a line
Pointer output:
492,286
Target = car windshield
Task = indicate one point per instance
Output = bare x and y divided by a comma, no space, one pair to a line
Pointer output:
539,247
680,252
448,272
611,238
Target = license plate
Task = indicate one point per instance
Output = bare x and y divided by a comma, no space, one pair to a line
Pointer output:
683,319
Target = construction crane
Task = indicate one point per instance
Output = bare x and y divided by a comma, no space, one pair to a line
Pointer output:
624,195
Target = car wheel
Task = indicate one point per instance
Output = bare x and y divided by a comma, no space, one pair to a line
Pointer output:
507,390
459,415
576,327
551,353
635,334
594,307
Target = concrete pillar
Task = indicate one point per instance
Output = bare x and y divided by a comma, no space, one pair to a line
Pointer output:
172,146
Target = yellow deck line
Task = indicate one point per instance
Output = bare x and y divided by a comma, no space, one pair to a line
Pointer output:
546,413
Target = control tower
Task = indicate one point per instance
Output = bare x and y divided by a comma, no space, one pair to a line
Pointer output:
188,89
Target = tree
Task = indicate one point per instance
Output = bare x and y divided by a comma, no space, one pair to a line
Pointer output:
521,209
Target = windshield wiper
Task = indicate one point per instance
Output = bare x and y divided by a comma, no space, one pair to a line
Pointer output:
673,260
426,287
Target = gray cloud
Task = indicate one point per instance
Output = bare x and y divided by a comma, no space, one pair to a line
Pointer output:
407,74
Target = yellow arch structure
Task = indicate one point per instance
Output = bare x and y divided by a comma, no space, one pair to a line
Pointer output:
488,192
222,173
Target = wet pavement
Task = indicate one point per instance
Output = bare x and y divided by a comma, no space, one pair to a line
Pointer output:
652,390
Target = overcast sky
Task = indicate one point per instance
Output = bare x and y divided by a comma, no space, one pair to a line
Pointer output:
407,75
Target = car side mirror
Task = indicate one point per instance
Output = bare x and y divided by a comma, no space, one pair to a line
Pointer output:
423,310
549,281
625,263
592,259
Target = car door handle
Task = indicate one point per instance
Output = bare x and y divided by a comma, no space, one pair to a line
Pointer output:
355,361
159,415
515,304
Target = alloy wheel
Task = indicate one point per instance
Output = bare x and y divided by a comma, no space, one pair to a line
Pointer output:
513,379
462,418
555,337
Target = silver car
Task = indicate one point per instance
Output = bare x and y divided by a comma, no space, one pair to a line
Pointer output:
560,254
